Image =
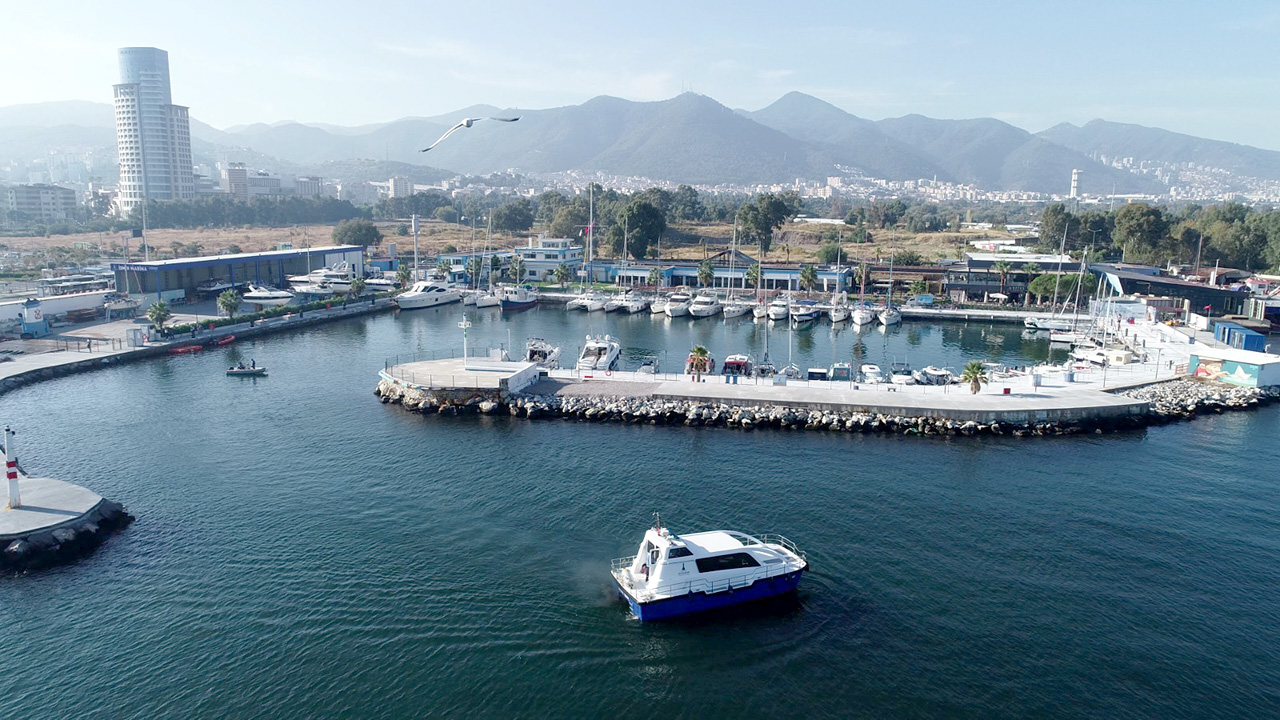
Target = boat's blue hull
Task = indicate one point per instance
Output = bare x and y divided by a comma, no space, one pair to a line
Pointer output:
513,306
669,608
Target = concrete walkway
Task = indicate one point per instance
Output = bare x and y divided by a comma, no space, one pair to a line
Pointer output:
46,504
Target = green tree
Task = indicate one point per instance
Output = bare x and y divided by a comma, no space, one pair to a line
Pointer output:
752,277
699,360
1140,230
357,287
918,287
808,277
686,206
356,232
1002,268
445,213
517,269
444,268
758,220
706,274
975,375
832,254
643,223
1043,286
514,216
475,267
229,302
159,314
404,274
1055,220
655,277
563,274
402,230
907,257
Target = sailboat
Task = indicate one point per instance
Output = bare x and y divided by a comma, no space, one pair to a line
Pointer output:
1053,322
890,315
734,307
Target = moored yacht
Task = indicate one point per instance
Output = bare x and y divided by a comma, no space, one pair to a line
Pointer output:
427,293
678,304
599,353
542,353
735,308
932,375
900,374
779,309
740,365
803,313
863,315
658,306
518,297
705,306
267,296
889,315
871,374
673,575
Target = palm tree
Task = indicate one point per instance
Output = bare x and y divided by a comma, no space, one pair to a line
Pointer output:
403,275
229,303
699,360
808,277
863,273
357,287
516,269
655,277
475,266
1032,270
706,274
445,268
975,375
563,274
918,287
753,275
159,314
1002,269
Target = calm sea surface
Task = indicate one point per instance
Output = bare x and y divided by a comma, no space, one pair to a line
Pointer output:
303,551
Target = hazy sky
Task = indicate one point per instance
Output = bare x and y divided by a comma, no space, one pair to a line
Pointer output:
1192,67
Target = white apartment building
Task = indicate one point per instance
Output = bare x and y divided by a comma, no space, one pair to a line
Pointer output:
153,136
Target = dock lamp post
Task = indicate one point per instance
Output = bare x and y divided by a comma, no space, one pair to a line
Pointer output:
464,325
11,470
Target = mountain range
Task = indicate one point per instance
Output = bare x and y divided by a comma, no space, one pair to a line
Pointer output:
689,138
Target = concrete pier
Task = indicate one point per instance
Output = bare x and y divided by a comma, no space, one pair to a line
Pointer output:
46,521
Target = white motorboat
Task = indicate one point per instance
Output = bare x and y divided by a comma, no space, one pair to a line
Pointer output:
863,315
692,363
705,306
658,306
599,353
1050,323
932,375
840,313
542,353
595,302
673,575
635,304
900,374
803,313
615,303
648,367
427,293
871,374
317,289
338,275
740,365
122,302
780,308
841,372
266,295
591,302
678,304
213,285
889,315
379,284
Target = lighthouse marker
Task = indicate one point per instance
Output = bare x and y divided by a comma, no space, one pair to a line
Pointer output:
11,470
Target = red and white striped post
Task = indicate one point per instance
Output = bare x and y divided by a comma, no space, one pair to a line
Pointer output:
11,470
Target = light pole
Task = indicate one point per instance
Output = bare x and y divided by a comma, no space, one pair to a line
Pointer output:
464,325
413,219
11,470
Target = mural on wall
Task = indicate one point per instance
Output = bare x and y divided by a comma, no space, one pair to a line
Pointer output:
1227,371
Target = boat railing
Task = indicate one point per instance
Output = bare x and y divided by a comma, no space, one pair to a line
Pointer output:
621,563
780,541
703,585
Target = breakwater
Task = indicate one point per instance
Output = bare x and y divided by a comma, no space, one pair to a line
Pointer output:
1166,402
63,542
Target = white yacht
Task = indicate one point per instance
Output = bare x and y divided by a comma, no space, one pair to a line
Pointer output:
1049,323
599,353
705,306
890,315
468,297
658,306
673,575
339,273
900,374
735,308
635,303
213,285
780,308
840,311
265,295
317,289
678,304
542,353
591,302
871,374
863,315
379,284
427,293
932,375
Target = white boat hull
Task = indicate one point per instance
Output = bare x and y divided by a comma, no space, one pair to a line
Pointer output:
890,316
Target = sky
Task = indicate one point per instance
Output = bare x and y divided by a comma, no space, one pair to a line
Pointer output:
1193,67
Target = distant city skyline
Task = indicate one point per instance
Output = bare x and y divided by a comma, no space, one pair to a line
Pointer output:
1170,65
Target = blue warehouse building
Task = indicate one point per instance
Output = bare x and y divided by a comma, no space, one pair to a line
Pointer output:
180,277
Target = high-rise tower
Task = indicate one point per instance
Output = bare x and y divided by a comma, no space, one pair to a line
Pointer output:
153,136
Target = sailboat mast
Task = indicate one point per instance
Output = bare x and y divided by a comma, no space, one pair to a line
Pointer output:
1062,247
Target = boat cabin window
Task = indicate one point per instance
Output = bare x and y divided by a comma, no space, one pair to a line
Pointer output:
731,561
678,553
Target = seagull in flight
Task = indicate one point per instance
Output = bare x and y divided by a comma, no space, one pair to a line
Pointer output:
466,123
